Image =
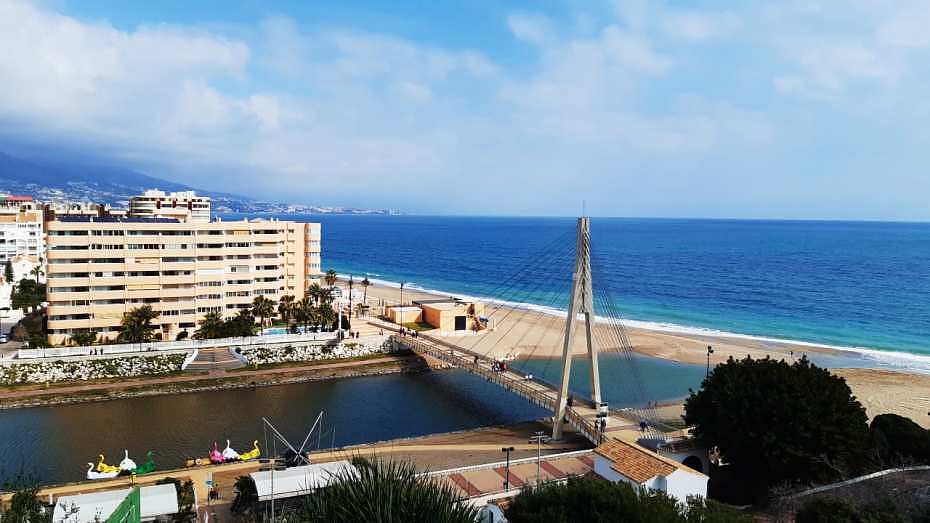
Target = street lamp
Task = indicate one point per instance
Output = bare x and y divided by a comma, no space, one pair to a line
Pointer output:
710,350
538,438
507,450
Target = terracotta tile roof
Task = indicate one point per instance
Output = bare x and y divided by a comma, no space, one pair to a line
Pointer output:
635,462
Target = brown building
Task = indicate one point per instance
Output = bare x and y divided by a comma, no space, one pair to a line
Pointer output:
99,268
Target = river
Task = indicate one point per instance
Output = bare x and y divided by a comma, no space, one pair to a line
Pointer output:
54,444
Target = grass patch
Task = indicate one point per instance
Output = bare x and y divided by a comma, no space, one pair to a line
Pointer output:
419,326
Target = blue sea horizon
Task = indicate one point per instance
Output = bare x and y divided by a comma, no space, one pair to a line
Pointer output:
844,284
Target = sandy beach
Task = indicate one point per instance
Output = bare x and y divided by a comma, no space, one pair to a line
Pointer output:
535,334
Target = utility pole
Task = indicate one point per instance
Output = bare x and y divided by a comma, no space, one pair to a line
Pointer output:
351,276
581,300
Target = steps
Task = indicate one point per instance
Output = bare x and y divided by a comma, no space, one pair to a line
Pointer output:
214,358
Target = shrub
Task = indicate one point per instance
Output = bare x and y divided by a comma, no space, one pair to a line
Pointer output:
900,440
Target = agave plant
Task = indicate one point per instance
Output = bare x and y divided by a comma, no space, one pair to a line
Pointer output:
386,491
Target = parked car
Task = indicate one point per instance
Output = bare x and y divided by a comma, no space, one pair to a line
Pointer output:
3,338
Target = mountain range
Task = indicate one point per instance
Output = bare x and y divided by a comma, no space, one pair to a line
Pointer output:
67,181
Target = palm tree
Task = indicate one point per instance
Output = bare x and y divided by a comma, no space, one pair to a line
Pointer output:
365,284
304,312
326,315
136,326
331,278
386,491
285,308
326,297
314,291
37,272
211,327
263,308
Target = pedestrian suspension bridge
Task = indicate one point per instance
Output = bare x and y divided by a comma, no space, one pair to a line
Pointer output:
519,332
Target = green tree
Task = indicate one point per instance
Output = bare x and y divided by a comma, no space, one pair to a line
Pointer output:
137,327
386,492
242,324
773,422
314,292
326,315
84,338
262,307
246,496
37,272
286,308
25,505
27,295
900,441
211,327
304,312
365,284
8,272
331,278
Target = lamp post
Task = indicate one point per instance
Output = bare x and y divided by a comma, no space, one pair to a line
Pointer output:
710,350
538,438
507,450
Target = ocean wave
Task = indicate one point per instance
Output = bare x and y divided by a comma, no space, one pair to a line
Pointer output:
882,359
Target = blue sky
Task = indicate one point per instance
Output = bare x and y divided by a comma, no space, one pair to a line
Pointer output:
798,109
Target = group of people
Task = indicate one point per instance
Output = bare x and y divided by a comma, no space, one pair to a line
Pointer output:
413,333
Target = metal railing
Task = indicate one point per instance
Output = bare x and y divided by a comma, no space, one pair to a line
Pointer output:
529,389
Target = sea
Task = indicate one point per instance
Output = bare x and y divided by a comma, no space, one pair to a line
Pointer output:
860,287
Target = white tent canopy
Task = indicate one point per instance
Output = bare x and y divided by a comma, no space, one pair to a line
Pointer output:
298,481
156,500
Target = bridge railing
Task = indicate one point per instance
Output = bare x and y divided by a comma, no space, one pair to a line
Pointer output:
454,357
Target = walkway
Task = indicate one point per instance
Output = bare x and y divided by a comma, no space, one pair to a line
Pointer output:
582,417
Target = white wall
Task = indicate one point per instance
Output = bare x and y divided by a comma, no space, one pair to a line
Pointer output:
681,484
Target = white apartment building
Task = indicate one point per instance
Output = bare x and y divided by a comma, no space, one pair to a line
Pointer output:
21,235
185,206
99,268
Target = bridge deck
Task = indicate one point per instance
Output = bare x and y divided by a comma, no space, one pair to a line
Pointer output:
620,424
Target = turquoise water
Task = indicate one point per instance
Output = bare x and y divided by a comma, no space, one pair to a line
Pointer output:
847,284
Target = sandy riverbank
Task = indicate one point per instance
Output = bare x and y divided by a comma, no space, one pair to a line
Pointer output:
536,334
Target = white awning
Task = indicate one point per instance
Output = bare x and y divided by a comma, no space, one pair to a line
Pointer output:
155,500
299,481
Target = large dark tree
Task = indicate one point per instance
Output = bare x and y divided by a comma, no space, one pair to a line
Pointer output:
774,422
597,500
900,441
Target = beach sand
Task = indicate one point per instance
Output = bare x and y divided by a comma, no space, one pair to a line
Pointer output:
539,335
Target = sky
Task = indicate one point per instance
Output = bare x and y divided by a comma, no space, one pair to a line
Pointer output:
791,109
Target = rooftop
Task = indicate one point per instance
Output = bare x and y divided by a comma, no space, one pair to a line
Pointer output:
299,481
637,463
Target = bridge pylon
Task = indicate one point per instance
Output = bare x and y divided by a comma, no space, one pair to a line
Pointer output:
581,301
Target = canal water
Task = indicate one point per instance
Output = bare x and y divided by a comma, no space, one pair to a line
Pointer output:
54,444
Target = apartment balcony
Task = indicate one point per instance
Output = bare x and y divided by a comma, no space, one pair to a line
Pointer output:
69,240
65,254
108,295
104,267
180,253
179,266
107,253
178,293
178,280
69,282
106,280
67,296
74,324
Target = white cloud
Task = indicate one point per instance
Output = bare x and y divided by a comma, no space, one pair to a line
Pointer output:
530,27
